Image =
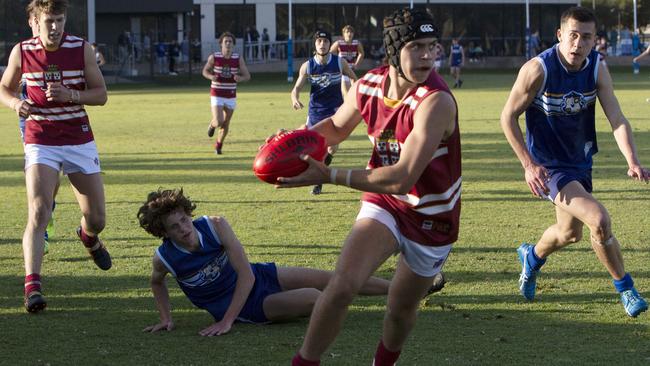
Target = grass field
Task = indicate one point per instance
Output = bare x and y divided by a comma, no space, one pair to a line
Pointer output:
152,136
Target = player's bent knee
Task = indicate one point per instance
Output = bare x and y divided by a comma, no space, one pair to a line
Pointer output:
343,290
39,215
601,229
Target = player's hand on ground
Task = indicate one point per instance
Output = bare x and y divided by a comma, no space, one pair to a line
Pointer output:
56,92
218,328
297,105
168,326
638,172
23,108
316,173
536,178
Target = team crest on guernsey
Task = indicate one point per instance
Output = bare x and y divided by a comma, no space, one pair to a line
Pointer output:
225,71
573,102
387,147
206,275
52,74
322,80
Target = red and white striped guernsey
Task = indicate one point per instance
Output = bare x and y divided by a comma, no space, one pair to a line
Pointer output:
225,69
430,213
54,123
349,51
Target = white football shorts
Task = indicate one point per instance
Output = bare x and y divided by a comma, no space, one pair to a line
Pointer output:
424,260
229,103
69,158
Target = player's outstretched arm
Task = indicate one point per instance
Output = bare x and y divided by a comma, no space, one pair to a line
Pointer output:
620,125
434,120
528,83
245,278
9,85
243,75
161,297
208,69
295,92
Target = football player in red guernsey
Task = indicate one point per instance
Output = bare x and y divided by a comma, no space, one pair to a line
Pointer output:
224,69
351,50
62,76
411,199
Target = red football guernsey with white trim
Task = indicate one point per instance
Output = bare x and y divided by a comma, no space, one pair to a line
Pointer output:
430,213
349,51
55,123
225,69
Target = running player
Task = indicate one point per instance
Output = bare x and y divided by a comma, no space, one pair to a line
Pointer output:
210,265
61,76
324,72
224,69
412,186
456,61
22,94
351,50
558,91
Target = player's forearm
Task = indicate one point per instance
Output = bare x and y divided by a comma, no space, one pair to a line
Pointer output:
94,96
245,282
333,135
625,141
515,137
384,180
207,74
8,98
161,298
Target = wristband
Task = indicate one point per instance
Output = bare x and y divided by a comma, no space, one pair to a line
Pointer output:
333,175
348,177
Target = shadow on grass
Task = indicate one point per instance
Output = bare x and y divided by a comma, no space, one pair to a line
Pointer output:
98,320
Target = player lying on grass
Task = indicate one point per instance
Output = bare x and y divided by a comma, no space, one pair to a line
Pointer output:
211,267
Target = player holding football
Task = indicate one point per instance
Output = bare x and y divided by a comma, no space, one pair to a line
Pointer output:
411,200
62,77
324,72
224,69
558,91
351,50
210,265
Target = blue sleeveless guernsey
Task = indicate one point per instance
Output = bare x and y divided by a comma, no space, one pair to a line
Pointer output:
208,279
456,54
560,122
325,96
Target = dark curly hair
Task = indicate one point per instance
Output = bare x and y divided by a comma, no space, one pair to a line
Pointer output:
159,205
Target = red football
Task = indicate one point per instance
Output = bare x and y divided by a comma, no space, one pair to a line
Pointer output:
280,157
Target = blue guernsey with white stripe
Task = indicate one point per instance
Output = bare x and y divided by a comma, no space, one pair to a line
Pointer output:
456,55
205,276
325,97
560,122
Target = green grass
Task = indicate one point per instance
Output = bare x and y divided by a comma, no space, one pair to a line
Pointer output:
153,136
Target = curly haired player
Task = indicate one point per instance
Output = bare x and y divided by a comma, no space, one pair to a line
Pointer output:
211,267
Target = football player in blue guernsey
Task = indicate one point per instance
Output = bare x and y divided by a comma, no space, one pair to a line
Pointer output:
324,72
211,267
558,91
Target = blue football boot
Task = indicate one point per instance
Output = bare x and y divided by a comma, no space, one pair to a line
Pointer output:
633,303
528,276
